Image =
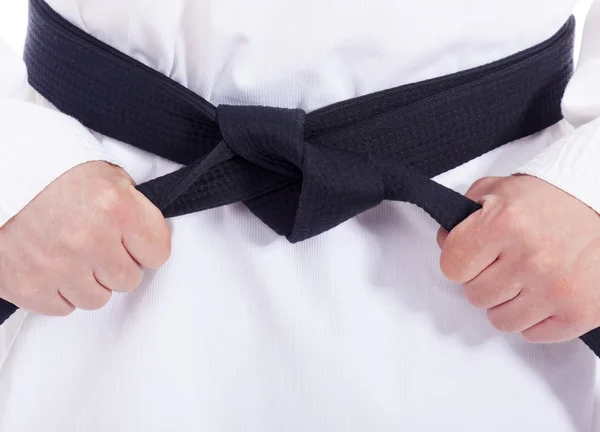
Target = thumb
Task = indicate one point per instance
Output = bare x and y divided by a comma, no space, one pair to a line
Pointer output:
442,235
476,193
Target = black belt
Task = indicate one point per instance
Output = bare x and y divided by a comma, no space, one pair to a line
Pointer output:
301,174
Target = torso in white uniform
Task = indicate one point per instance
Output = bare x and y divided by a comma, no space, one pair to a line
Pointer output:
355,330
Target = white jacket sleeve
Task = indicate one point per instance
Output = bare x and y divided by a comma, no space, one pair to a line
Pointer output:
37,144
573,163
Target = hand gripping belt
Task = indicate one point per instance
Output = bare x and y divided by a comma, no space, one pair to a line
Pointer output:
301,173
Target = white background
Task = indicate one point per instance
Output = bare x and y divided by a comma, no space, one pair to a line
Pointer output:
13,20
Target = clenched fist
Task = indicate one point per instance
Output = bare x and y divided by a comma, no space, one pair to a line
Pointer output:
89,233
530,256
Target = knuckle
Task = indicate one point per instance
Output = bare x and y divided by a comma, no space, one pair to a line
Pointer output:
119,275
161,244
451,264
30,294
54,306
502,218
63,311
77,238
475,296
108,197
572,320
447,265
154,214
136,278
129,278
512,217
500,322
165,248
531,336
95,300
482,184
541,263
561,288
587,316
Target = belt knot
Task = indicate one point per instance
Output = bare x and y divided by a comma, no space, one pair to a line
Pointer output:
330,185
272,138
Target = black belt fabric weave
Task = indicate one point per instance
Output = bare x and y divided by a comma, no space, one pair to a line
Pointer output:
301,174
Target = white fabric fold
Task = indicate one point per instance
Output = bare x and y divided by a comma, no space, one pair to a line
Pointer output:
573,162
37,144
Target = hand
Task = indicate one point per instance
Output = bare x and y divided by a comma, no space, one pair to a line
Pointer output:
530,256
87,234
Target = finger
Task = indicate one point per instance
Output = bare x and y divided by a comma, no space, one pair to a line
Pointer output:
519,314
118,271
147,237
442,234
496,285
469,249
476,193
482,187
553,330
39,301
89,295
56,305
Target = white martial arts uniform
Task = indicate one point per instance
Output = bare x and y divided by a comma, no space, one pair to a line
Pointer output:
354,330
